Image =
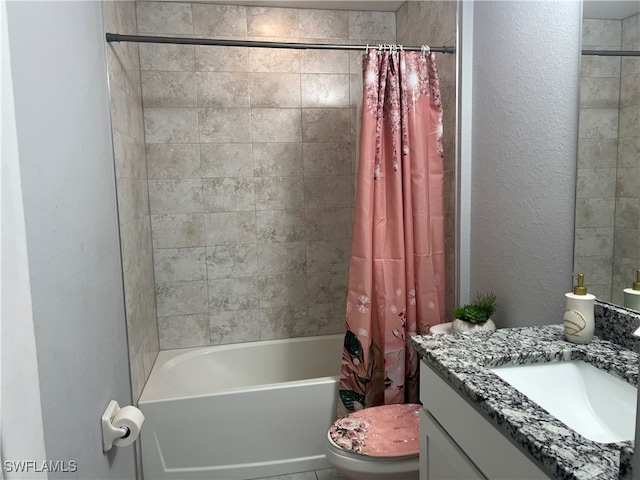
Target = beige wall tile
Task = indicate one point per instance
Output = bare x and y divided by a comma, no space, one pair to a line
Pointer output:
591,242
232,294
164,17
329,256
276,226
173,161
228,194
272,22
597,153
631,30
598,123
134,163
324,90
626,242
171,125
224,125
135,242
324,61
226,160
602,32
364,25
329,192
631,65
595,212
177,230
599,92
219,20
279,193
182,331
179,264
275,90
222,89
234,327
596,183
329,224
133,199
275,125
324,23
326,125
175,196
230,261
277,159
167,57
274,60
327,287
596,66
181,298
229,228
630,90
326,159
628,184
628,212
597,270
283,290
629,121
629,152
283,322
221,59
624,271
276,258
327,318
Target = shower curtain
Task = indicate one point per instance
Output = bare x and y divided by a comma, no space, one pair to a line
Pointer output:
396,276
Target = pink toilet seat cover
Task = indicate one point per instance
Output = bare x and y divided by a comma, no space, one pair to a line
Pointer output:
385,431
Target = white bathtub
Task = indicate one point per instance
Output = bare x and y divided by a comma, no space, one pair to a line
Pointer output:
240,411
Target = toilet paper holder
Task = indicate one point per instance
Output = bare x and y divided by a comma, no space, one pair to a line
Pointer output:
111,433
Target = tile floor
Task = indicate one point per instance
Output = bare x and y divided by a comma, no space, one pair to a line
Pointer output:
327,474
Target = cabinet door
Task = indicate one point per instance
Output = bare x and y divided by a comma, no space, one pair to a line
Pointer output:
440,457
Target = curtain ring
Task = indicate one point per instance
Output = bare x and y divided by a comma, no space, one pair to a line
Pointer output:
380,47
367,48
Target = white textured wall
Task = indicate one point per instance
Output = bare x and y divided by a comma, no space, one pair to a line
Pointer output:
65,153
525,118
21,432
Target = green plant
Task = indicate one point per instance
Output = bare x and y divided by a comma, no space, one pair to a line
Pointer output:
479,311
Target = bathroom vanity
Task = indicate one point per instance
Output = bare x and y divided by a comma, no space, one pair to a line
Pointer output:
475,425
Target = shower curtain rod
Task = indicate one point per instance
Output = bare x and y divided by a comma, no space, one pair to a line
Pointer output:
612,53
116,37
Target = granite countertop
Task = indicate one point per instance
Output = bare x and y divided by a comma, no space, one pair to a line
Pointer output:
464,362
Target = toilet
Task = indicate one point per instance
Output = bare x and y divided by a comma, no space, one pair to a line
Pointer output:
376,443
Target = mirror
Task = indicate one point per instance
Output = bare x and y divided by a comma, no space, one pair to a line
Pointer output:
607,222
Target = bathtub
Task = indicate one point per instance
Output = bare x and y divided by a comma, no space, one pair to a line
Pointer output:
240,411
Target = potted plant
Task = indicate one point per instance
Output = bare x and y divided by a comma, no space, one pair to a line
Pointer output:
475,316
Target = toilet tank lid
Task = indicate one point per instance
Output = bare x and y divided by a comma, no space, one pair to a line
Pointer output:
384,431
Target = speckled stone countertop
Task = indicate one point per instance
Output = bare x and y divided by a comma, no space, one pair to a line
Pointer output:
464,362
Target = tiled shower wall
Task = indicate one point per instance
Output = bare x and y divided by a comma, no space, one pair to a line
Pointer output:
132,192
608,187
434,23
626,251
251,157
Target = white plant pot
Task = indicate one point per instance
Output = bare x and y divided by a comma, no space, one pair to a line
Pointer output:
460,326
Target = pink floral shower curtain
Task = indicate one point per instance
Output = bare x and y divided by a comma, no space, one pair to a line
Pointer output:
396,277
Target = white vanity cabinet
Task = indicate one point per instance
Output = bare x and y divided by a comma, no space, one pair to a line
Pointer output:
458,443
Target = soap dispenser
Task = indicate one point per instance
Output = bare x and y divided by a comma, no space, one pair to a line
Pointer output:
578,319
632,295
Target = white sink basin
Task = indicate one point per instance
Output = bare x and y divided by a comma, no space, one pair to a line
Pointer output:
592,402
